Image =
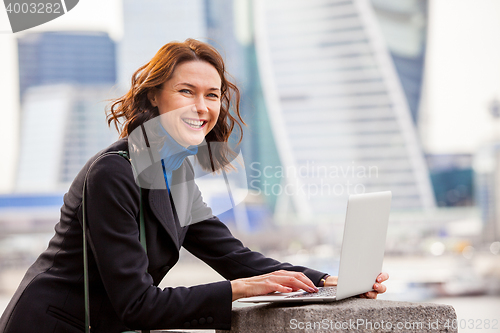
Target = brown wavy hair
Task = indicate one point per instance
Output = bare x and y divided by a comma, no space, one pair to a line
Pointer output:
134,108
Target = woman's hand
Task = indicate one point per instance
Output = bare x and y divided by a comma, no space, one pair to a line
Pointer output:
378,287
281,281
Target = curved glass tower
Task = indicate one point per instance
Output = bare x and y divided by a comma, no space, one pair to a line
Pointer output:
339,115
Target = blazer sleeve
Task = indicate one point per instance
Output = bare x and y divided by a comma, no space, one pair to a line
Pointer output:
212,242
112,207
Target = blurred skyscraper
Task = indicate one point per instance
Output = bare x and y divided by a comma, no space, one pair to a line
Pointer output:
338,112
452,179
83,58
487,187
404,26
66,80
62,127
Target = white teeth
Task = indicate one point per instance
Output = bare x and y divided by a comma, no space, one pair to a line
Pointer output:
193,123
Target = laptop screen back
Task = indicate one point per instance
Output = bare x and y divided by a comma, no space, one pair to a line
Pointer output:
363,244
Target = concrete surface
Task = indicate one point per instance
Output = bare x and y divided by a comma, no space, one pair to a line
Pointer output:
350,315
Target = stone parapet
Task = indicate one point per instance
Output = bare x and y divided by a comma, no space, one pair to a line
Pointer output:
349,315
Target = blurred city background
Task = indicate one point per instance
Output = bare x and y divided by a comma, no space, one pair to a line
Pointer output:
340,97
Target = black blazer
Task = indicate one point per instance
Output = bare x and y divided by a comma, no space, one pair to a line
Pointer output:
123,277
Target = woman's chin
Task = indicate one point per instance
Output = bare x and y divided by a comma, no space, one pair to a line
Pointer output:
192,141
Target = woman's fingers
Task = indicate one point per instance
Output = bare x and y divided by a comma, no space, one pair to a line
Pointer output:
382,277
282,289
370,294
281,281
294,280
379,288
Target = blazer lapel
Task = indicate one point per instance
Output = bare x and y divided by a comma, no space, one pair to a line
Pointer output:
159,202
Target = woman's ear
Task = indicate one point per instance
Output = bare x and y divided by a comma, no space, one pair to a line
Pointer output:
152,97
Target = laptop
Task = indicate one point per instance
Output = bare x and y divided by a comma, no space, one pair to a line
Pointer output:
361,256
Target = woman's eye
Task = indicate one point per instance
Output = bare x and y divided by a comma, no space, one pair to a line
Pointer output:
185,91
213,95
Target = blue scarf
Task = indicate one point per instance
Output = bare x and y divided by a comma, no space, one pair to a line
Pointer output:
173,154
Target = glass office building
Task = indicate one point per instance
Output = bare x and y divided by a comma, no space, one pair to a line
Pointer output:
66,80
338,111
83,58
403,24
63,126
487,187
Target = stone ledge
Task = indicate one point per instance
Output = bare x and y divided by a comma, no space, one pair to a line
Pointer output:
349,315
183,331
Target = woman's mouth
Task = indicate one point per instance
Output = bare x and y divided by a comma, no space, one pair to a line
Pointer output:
194,123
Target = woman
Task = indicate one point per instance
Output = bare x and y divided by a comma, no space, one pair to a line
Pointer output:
184,86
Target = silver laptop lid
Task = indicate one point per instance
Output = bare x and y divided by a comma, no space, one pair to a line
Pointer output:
363,243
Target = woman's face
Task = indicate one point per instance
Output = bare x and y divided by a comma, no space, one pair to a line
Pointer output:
189,103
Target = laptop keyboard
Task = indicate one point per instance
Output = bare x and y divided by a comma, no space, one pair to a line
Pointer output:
323,292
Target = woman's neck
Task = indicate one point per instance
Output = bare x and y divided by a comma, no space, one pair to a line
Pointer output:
173,154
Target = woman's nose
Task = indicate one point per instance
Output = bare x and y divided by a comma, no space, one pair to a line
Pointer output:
201,107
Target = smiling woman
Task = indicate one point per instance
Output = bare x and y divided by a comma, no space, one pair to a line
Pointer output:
189,102
181,76
133,235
